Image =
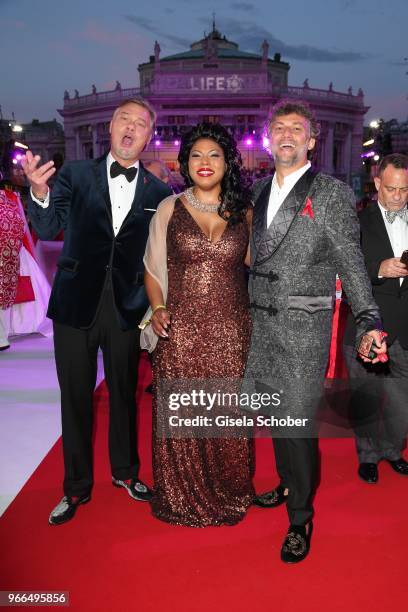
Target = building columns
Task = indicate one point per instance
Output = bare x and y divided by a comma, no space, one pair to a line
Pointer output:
78,145
95,141
329,148
347,154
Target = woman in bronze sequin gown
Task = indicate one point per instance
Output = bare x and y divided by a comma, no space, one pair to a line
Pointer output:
204,329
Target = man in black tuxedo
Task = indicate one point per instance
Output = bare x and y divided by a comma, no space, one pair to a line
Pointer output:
104,207
379,403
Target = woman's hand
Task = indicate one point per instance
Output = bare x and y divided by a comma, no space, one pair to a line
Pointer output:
160,322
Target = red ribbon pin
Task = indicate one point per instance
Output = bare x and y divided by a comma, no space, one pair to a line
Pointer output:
308,210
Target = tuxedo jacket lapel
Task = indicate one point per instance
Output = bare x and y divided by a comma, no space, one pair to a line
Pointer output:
379,227
278,229
142,182
259,217
101,178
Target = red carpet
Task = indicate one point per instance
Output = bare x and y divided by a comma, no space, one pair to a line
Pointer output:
115,556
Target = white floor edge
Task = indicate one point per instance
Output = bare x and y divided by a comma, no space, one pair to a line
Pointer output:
30,421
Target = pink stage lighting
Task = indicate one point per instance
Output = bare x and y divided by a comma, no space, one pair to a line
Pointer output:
157,143
176,143
249,142
265,142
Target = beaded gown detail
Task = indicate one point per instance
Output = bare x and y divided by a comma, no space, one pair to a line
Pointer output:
202,482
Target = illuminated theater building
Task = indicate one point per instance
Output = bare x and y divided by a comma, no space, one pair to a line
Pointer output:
216,81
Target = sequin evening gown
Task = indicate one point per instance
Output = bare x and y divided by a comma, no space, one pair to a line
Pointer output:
203,482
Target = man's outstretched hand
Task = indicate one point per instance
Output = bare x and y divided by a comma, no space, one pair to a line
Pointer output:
37,175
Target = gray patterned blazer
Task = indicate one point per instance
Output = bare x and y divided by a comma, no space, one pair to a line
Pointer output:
293,275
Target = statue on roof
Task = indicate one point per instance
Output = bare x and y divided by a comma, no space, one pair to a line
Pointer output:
94,89
157,51
66,95
265,50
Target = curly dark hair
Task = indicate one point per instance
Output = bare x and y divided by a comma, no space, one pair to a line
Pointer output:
299,107
235,196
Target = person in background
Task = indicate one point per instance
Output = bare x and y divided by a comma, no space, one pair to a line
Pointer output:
381,418
11,237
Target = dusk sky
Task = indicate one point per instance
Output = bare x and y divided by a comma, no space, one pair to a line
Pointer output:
47,47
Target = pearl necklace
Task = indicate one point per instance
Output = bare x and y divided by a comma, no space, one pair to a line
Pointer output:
191,199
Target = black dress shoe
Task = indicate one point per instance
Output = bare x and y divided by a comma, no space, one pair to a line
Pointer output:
297,543
271,499
136,489
400,466
4,348
368,472
66,509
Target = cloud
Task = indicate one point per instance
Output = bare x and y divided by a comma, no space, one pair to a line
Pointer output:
123,41
250,36
346,4
13,23
243,6
151,26
403,63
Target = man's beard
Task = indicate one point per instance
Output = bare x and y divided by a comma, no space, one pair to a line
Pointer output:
126,153
289,162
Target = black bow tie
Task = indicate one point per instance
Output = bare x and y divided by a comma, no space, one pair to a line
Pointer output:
117,169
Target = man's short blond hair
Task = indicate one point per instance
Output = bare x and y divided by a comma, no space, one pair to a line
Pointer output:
144,104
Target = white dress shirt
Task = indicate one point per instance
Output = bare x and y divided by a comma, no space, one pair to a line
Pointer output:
121,194
397,233
279,194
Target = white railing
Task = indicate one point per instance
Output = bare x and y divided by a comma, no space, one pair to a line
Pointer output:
116,95
305,93
309,93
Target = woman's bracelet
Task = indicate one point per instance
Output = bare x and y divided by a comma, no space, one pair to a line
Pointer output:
147,322
159,307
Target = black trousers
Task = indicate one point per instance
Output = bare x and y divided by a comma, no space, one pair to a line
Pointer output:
76,360
297,465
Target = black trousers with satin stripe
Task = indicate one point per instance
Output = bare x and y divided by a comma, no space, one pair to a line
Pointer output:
297,465
76,359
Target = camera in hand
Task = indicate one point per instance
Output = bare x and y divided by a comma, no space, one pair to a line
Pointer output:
404,258
365,347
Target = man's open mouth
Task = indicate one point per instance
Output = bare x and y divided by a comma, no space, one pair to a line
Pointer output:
127,141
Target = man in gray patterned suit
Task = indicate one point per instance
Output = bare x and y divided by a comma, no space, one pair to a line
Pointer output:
305,230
